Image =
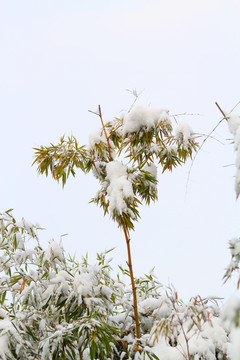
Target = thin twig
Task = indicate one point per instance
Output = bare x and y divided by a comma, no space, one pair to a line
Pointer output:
222,112
234,107
93,112
109,147
136,95
183,331
211,137
104,129
186,114
229,165
207,137
200,148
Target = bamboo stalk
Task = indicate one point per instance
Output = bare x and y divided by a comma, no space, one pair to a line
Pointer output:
135,307
126,233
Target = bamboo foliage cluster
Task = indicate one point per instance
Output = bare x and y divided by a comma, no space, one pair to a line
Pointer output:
183,323
61,160
55,307
139,150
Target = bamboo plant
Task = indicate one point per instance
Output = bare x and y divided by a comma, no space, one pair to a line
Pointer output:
123,155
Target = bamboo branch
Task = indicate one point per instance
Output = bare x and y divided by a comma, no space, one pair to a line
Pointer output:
206,138
222,112
183,331
99,113
104,129
135,307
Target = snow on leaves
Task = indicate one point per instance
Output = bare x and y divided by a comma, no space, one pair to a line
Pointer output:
234,246
119,188
143,118
57,308
54,307
123,156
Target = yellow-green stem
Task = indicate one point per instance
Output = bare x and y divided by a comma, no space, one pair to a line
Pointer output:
135,307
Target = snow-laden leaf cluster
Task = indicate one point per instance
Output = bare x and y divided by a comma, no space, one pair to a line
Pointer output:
58,308
190,330
123,155
53,307
234,266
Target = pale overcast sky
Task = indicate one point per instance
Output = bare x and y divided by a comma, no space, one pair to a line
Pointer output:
58,59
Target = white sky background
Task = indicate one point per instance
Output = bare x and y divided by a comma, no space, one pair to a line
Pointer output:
60,58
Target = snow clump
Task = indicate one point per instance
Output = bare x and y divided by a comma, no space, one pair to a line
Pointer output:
234,246
152,169
120,188
95,137
149,305
144,117
99,136
231,317
183,133
231,312
54,252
